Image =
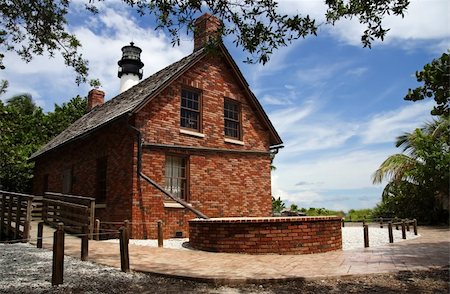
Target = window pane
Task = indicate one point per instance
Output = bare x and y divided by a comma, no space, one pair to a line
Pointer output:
232,125
190,110
175,181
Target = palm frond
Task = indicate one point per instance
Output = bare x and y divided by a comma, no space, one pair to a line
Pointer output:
394,168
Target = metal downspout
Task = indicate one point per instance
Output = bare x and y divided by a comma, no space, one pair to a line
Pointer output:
156,185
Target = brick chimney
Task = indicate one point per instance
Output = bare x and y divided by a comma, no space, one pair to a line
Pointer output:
206,29
95,97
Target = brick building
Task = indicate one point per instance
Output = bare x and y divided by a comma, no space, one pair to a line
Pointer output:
194,128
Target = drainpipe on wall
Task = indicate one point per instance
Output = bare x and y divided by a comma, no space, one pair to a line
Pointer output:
156,185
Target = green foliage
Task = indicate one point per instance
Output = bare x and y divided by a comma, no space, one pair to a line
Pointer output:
419,179
277,205
22,125
312,211
293,207
436,84
66,114
24,129
359,214
35,27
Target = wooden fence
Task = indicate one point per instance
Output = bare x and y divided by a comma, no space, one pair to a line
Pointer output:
76,212
15,216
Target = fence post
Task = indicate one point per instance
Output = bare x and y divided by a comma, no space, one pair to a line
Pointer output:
403,230
17,220
40,231
126,223
366,236
27,222
2,217
58,256
396,223
91,219
415,227
124,257
407,224
381,222
160,234
8,226
391,234
85,243
97,229
343,222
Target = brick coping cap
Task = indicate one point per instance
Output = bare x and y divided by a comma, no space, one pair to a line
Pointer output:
275,219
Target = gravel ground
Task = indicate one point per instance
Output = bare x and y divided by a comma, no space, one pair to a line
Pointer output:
26,269
352,238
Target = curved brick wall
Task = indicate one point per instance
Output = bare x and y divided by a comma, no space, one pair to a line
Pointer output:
262,235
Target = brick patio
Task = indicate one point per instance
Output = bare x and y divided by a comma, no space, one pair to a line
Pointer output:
431,249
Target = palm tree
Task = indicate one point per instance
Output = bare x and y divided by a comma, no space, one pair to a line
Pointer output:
422,168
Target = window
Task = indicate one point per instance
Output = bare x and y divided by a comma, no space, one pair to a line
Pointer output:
232,119
100,187
190,110
176,176
67,181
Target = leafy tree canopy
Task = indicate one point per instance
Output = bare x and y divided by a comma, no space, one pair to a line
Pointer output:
419,178
435,77
24,128
35,27
277,205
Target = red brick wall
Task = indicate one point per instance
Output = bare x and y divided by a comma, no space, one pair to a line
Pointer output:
221,184
116,143
159,120
294,235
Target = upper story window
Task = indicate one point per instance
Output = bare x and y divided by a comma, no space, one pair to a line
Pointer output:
176,176
232,119
190,116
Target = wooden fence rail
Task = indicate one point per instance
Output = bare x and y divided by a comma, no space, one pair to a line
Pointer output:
76,212
15,216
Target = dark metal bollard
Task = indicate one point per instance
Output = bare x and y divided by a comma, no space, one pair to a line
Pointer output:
40,232
343,223
84,243
366,236
160,234
58,256
407,224
403,229
391,234
415,227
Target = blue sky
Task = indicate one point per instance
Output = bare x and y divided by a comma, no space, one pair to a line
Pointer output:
337,106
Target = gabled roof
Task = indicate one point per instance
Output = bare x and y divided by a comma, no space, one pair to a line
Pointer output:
136,97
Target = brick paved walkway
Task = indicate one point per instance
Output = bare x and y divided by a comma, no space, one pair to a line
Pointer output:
431,249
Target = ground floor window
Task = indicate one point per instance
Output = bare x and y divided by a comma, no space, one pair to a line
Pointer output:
67,181
176,178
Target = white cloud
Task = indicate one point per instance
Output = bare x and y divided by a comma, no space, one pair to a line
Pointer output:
385,127
424,20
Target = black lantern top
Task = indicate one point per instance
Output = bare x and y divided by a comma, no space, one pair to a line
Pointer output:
131,61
